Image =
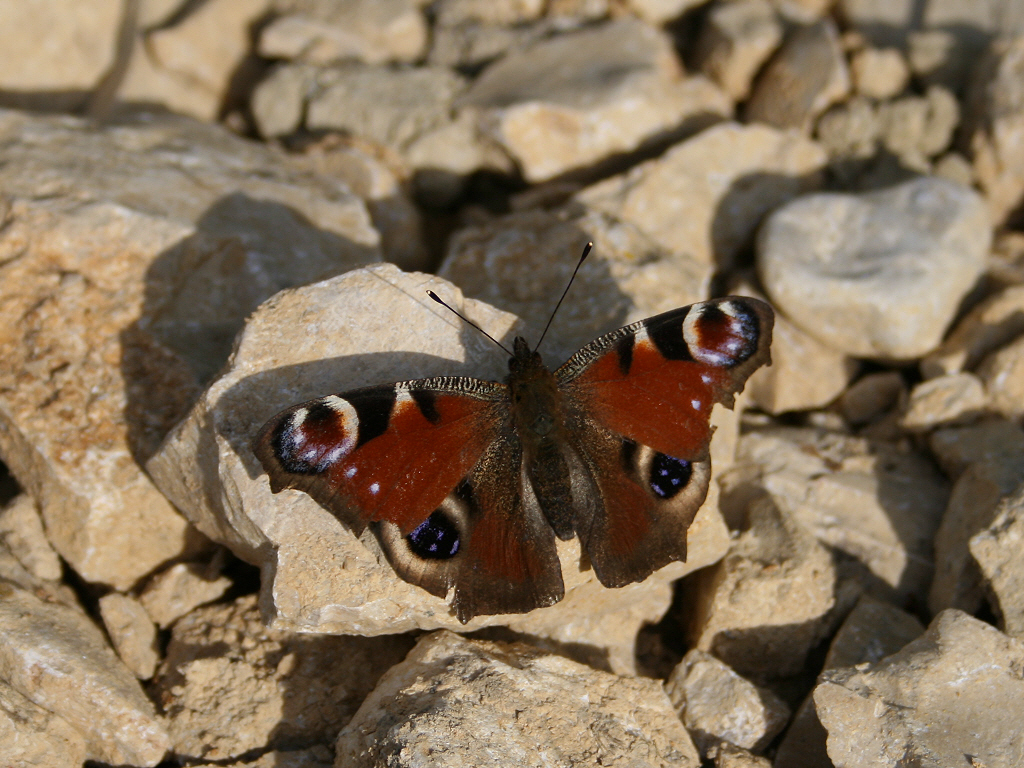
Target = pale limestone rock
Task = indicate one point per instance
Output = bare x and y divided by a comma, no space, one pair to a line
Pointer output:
763,607
999,552
870,632
471,45
132,632
878,274
136,251
879,73
569,101
879,503
1002,372
995,125
21,529
850,131
522,262
804,77
373,31
188,66
871,396
31,737
991,324
945,400
706,196
229,685
954,167
55,53
13,571
991,442
660,11
279,102
917,128
320,756
58,659
324,579
174,592
716,704
973,506
952,697
498,704
729,756
736,39
505,12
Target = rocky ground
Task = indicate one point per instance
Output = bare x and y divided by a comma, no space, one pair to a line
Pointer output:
212,210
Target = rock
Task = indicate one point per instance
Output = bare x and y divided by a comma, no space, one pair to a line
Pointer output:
450,690
991,324
762,608
230,686
320,756
879,73
132,254
507,12
956,691
994,442
735,40
132,632
373,31
53,59
804,77
279,102
972,508
725,179
716,705
21,530
954,167
877,502
569,101
55,657
945,400
471,45
850,131
994,124
322,578
13,571
1002,373
871,396
188,65
660,11
916,128
31,736
878,274
176,591
522,262
999,552
729,756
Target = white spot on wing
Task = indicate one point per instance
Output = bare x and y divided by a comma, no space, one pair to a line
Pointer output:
374,488
350,470
695,404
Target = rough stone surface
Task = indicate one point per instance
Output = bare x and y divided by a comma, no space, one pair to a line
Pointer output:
872,396
716,705
945,400
878,274
763,607
30,736
736,39
322,578
175,591
917,128
706,196
956,691
999,552
230,685
571,100
660,11
879,73
21,530
805,76
877,502
991,442
132,632
496,704
1002,373
729,756
130,256
55,657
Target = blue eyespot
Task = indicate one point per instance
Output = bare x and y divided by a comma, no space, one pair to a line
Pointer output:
436,538
668,475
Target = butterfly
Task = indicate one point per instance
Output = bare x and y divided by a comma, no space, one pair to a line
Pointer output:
466,483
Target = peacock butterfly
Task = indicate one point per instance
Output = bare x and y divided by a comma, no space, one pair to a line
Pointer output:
467,482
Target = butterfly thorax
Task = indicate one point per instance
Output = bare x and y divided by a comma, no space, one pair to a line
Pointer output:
536,400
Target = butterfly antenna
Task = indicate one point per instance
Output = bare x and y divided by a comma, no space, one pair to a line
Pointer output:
586,252
466,320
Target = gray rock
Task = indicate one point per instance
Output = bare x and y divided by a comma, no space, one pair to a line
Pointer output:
991,324
945,400
879,274
735,40
999,552
1002,373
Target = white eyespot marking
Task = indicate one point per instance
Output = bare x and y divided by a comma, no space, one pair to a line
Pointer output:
641,336
705,378
298,417
349,425
695,404
350,471
720,333
374,488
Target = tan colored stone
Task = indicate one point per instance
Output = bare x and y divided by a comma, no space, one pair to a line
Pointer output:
705,197
58,659
130,256
229,685
994,441
572,100
879,73
716,704
735,41
999,552
21,530
494,12
31,737
132,632
729,756
763,607
174,592
510,704
660,11
952,696
1002,372
944,400
871,396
